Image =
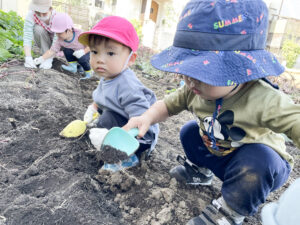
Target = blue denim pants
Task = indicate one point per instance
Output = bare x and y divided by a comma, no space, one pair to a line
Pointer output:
249,173
84,61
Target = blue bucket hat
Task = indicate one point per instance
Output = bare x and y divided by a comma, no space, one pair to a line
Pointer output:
221,43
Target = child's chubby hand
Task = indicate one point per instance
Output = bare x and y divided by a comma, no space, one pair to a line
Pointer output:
141,122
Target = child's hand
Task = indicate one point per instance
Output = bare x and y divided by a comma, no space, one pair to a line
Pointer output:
140,122
97,136
79,53
89,114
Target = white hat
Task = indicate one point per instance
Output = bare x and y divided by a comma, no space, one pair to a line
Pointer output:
41,6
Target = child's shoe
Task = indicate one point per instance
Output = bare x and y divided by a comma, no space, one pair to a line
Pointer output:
181,83
88,75
217,213
72,67
132,161
189,173
80,69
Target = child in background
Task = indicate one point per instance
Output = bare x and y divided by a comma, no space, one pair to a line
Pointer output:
74,51
219,48
120,95
37,26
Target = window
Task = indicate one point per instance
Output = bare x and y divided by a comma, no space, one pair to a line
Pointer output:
99,3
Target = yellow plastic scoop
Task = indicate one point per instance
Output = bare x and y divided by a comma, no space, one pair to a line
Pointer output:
74,129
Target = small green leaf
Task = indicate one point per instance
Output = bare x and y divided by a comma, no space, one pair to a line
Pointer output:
4,54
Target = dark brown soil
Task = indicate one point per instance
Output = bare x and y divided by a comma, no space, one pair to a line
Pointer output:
110,154
46,179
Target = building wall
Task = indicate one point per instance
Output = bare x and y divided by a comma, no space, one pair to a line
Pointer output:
156,35
168,15
7,5
78,13
19,6
133,9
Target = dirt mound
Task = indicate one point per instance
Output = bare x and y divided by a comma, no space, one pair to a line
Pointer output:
46,179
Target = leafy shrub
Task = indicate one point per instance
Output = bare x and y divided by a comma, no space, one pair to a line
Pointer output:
290,51
143,64
11,35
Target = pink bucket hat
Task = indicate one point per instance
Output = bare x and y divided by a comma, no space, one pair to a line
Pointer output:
61,22
41,6
116,28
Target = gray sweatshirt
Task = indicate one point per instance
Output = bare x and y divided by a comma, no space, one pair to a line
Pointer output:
125,95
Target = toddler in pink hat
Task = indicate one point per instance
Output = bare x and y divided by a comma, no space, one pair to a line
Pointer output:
120,95
67,39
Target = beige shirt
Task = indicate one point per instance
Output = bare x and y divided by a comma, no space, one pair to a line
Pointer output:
258,113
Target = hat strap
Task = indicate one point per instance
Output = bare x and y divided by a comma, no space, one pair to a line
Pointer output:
126,63
210,129
218,42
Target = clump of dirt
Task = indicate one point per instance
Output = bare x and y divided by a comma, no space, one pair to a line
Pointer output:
110,154
46,179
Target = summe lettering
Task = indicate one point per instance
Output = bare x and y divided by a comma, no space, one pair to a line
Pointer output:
226,23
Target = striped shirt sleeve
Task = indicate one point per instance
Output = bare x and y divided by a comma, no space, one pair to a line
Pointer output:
28,29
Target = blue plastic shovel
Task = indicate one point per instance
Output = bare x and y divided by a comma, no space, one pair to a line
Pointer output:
122,140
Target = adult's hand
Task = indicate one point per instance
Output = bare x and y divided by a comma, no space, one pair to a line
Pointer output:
29,63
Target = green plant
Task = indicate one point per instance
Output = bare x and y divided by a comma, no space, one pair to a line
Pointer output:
11,35
143,64
290,51
138,27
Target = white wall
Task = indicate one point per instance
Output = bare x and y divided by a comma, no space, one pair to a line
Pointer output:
291,8
165,32
8,5
19,6
130,9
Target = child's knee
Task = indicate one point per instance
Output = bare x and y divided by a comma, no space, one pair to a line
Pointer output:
188,128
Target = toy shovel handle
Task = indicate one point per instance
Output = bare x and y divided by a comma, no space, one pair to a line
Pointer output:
133,132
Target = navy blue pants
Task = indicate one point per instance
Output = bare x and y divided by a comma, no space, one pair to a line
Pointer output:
84,61
249,173
109,119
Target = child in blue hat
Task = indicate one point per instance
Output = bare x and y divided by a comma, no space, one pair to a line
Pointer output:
219,49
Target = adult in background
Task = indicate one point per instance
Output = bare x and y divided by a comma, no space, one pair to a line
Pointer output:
37,27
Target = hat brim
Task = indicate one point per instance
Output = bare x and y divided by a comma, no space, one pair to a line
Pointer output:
218,68
58,31
41,9
84,37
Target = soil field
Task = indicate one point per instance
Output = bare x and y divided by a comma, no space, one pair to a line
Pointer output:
46,179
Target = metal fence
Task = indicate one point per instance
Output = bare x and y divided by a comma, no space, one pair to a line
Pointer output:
79,14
